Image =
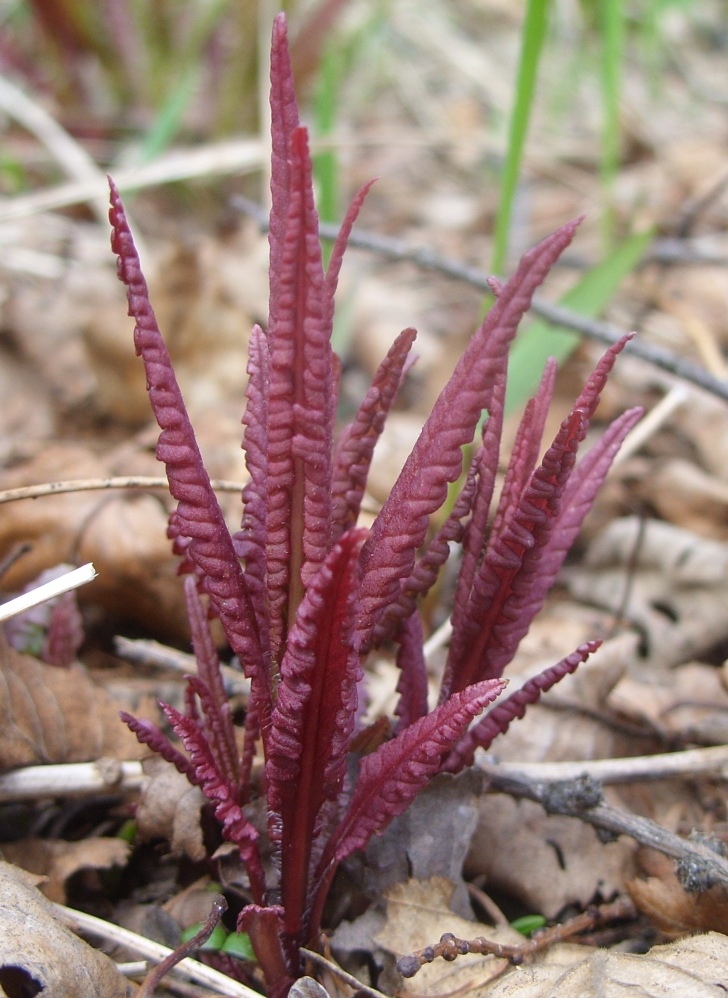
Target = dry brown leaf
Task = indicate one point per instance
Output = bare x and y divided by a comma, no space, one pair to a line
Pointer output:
675,911
56,715
57,860
431,839
170,809
677,591
688,968
124,535
39,955
690,702
26,413
417,914
545,861
43,315
207,294
684,494
191,905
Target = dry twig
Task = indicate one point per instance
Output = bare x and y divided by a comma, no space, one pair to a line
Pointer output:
450,947
603,332
699,866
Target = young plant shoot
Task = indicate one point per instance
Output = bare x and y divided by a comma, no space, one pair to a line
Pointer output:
304,594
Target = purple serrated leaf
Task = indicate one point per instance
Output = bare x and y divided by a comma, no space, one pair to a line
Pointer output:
435,555
209,687
225,797
337,252
284,120
355,446
485,464
498,720
313,721
526,447
149,734
436,460
392,776
300,408
251,540
412,683
489,635
198,516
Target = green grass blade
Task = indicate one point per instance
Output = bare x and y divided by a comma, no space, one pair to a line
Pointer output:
540,340
611,23
532,40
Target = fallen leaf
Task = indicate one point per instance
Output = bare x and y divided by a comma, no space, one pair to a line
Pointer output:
677,584
170,809
689,702
417,914
675,911
688,968
545,861
431,839
56,715
39,955
57,860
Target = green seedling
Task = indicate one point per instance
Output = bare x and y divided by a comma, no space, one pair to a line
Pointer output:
528,924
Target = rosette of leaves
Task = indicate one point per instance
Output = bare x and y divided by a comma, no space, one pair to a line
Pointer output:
304,593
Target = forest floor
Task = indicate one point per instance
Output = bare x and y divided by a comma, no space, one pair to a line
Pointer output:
423,107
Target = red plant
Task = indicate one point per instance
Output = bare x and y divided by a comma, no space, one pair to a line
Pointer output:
304,594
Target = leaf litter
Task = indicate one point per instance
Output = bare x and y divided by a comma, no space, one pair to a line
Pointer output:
703,436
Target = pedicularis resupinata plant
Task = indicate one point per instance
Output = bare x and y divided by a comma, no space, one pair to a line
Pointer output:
304,594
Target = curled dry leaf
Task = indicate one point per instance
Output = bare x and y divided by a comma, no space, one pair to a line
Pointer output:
39,955
675,911
689,703
56,715
693,967
124,535
170,809
57,860
678,592
682,493
207,292
545,861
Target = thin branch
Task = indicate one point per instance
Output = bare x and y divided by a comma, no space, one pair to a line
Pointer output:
188,969
582,798
156,974
73,779
603,332
48,591
67,152
99,484
686,764
142,651
450,947
362,989
230,156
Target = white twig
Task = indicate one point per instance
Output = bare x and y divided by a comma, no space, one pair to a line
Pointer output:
71,156
186,969
438,639
41,594
242,155
652,422
687,763
70,779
